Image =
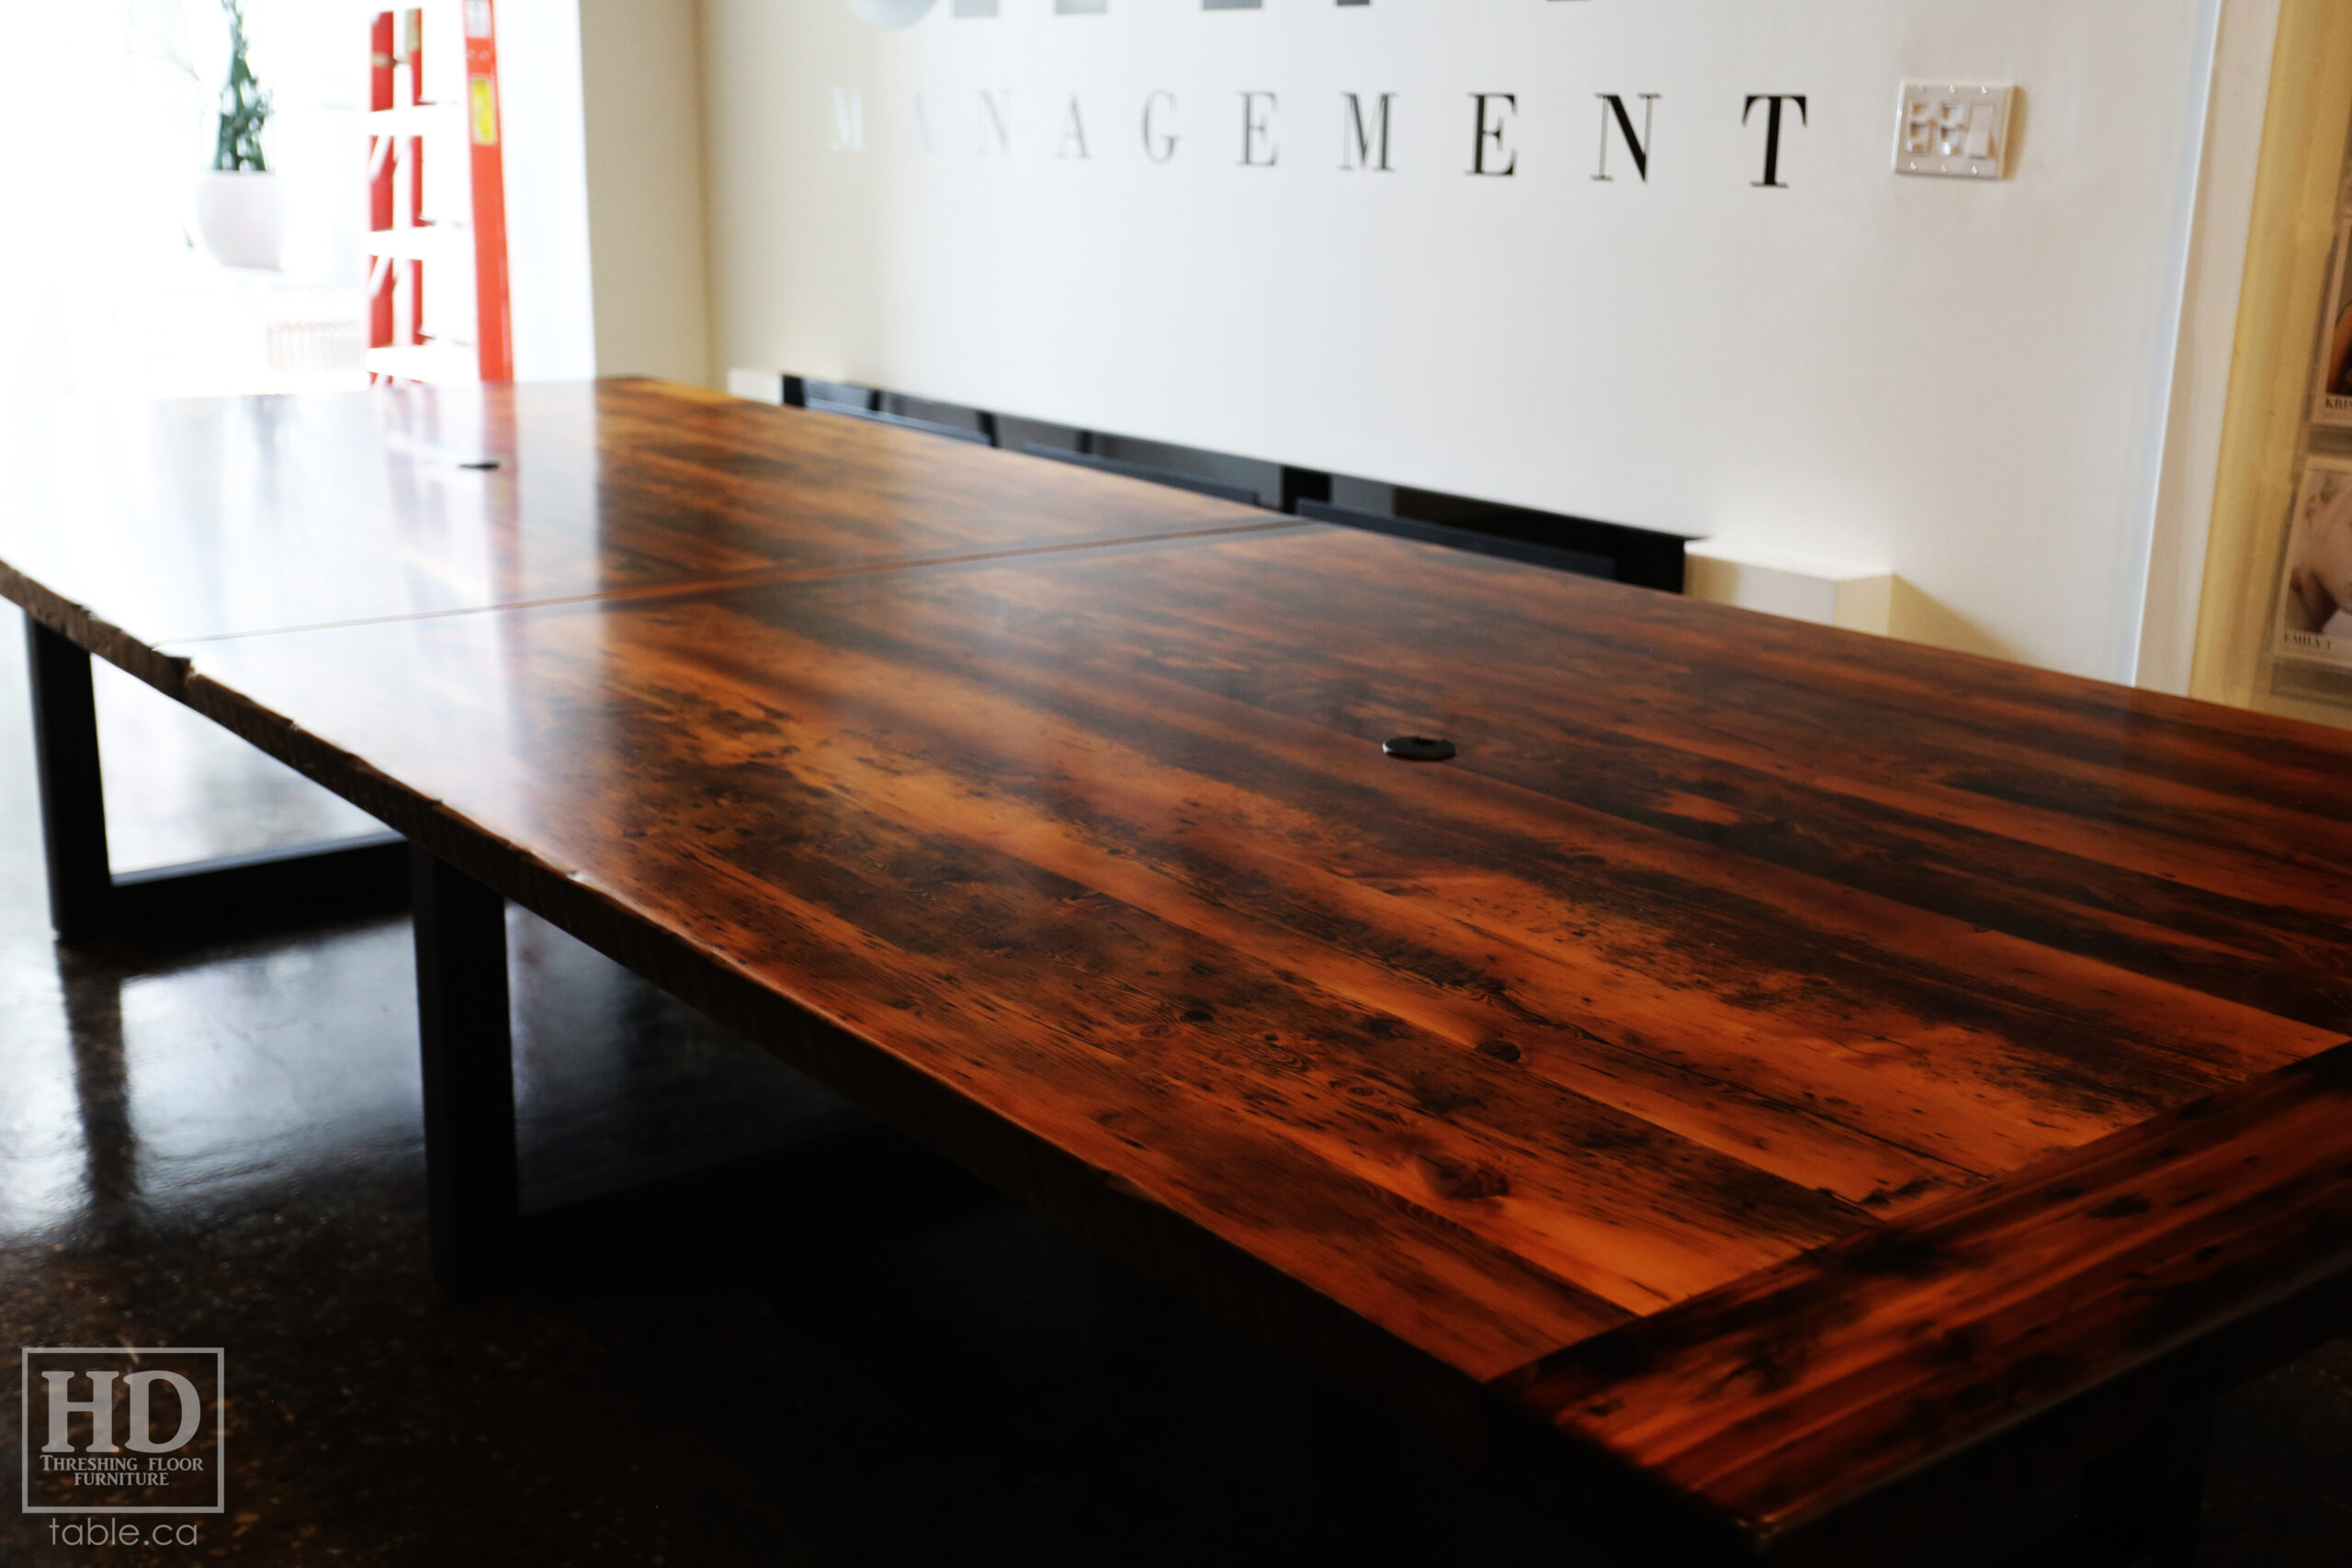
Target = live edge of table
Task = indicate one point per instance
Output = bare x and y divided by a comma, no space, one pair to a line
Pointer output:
1774,1087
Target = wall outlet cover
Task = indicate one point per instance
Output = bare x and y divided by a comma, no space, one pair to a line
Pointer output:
1960,130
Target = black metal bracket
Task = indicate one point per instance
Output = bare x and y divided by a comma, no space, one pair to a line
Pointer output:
87,897
2137,1506
2142,1508
488,1230
1300,485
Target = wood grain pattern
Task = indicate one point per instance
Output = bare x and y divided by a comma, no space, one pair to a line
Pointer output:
1780,1396
263,513
1582,1026
1729,954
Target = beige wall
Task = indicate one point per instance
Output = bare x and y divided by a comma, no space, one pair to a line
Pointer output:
2236,113
810,229
2293,226
640,65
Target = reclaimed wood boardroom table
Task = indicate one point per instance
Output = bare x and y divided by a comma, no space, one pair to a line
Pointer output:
1773,1089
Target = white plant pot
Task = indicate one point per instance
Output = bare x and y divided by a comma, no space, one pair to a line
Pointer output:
242,217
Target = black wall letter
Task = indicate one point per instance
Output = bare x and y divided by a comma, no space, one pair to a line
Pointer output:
1361,142
1257,130
1157,147
1611,104
1771,179
996,122
1074,134
1491,130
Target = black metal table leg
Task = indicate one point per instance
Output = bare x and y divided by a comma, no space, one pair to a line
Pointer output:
2140,1506
488,1230
472,1178
2145,1504
89,898
72,798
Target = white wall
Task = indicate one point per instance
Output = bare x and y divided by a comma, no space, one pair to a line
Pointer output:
551,281
312,60
117,300
1967,384
603,147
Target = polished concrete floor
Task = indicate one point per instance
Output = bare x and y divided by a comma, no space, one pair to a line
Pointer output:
217,1143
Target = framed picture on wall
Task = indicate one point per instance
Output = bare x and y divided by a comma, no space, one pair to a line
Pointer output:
2334,403
2315,600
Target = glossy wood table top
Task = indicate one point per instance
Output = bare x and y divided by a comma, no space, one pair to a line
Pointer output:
206,518
1771,1056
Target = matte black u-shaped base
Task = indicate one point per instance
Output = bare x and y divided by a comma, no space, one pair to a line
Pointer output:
89,898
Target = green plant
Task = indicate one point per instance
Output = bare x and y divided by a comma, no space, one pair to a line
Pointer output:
244,107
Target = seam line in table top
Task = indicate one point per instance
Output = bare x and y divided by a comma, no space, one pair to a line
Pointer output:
766,576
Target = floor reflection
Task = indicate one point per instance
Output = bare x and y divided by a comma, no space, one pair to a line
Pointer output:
41,1156
227,1103
110,1156
153,1095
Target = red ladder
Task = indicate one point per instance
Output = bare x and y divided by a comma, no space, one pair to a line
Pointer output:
407,238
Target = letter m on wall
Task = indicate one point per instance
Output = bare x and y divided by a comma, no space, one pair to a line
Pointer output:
849,121
1364,139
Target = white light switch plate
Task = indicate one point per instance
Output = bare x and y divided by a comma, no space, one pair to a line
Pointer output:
1955,129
